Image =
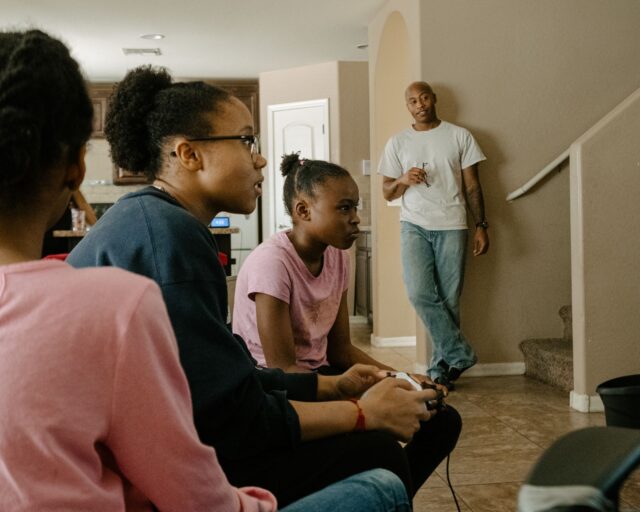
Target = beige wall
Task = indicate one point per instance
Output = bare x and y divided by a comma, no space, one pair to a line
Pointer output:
393,58
527,78
346,86
605,176
353,87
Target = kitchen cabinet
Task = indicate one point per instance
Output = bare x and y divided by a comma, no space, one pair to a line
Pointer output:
99,94
245,90
363,302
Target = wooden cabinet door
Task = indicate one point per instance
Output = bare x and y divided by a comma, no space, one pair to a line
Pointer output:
99,94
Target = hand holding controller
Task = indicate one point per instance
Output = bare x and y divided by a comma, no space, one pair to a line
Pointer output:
405,376
436,404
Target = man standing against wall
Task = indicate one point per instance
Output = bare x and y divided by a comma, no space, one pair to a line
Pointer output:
433,166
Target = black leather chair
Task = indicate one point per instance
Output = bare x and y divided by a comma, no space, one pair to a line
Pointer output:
582,471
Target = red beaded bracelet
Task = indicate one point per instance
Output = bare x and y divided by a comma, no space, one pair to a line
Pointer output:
360,425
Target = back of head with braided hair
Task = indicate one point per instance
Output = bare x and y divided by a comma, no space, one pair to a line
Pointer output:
305,176
45,113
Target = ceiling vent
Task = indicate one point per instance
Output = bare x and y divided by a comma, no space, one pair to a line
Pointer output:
141,51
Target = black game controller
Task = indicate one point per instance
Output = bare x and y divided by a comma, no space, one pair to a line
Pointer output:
437,404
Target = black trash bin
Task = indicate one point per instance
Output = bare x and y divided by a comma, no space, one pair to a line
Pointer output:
621,399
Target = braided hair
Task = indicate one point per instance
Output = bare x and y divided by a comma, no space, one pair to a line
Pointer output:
45,113
146,108
304,176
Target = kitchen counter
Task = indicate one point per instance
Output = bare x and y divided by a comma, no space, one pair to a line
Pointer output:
224,231
68,233
222,236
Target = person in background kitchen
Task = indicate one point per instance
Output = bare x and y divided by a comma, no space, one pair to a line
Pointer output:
90,382
433,167
290,433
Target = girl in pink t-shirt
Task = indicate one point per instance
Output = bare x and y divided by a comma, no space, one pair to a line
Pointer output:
291,294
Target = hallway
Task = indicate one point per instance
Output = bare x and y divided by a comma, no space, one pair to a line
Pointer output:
507,423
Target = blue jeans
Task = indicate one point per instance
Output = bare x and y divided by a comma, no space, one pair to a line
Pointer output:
376,490
433,273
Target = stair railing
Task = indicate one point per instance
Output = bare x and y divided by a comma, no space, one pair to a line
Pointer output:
538,177
565,154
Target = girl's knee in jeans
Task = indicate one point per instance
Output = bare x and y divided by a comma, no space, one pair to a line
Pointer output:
375,490
391,492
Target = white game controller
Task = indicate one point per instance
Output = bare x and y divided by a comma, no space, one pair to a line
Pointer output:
405,376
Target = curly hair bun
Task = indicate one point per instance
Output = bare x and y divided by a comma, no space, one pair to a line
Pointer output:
126,126
290,163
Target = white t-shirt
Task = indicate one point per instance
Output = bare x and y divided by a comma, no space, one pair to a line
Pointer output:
445,150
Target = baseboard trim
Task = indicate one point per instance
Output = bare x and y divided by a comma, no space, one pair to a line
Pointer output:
585,403
400,341
484,370
358,319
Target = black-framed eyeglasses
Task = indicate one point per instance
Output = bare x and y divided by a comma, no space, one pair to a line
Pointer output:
251,141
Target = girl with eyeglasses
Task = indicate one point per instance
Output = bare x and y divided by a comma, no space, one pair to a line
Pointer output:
292,434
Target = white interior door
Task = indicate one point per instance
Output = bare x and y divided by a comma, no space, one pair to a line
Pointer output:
295,127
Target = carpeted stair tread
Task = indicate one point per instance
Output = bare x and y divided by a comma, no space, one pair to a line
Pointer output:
549,360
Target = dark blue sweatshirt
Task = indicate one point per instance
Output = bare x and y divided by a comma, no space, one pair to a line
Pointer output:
239,409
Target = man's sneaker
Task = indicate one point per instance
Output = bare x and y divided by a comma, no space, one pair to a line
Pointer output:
444,381
454,373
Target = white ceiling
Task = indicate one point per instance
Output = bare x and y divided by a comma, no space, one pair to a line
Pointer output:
204,38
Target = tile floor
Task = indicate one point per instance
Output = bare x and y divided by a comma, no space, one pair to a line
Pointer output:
507,424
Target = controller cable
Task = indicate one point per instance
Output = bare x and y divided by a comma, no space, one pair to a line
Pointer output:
441,405
453,493
437,405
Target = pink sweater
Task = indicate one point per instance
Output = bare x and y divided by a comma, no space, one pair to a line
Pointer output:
95,412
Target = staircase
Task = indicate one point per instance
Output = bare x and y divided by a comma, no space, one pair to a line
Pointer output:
550,360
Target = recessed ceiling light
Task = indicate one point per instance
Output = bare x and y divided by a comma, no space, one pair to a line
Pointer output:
155,37
362,46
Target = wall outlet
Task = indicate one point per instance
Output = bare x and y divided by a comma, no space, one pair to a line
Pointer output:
366,167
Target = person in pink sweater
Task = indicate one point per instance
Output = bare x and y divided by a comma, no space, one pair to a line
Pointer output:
95,410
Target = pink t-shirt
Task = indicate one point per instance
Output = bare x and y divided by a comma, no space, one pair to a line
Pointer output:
95,412
274,268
